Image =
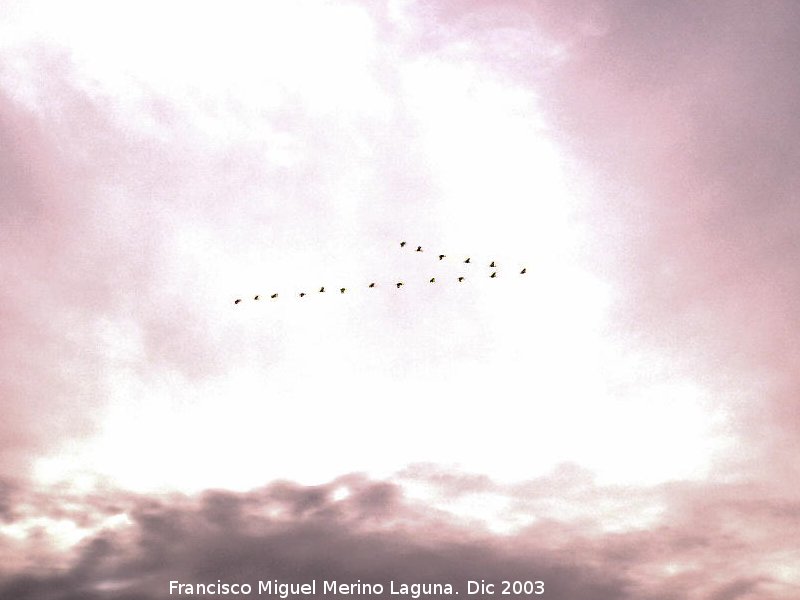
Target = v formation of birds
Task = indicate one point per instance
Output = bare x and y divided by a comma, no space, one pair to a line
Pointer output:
398,284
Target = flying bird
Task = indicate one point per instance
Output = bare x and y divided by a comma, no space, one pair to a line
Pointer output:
460,279
419,248
492,265
493,275
467,261
256,297
433,279
237,301
399,283
372,284
274,296
341,290
402,244
441,256
302,294
523,271
322,289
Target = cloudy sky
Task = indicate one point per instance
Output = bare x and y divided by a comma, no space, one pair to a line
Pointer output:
622,421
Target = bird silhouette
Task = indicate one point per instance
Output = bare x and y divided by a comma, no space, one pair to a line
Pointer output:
460,279
493,275
302,294
237,301
433,279
372,284
441,256
523,271
419,248
399,283
402,244
274,296
467,261
492,265
341,290
256,297
322,289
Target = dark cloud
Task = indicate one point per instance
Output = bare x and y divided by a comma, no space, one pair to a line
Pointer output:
702,547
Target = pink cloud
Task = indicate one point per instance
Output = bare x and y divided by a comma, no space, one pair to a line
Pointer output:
682,118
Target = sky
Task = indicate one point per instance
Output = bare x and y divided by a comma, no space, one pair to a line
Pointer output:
620,421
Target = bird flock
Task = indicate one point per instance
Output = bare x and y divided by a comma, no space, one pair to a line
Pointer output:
398,284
